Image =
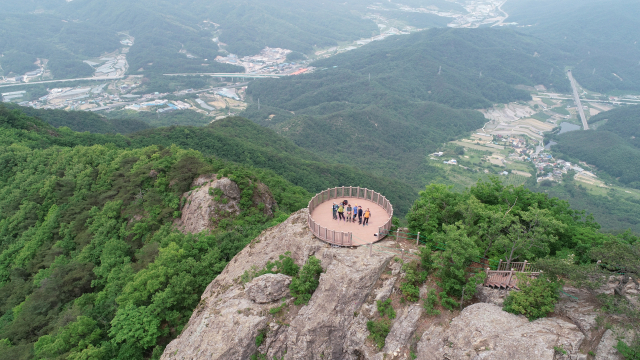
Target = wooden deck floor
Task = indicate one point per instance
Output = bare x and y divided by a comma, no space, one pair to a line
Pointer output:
362,235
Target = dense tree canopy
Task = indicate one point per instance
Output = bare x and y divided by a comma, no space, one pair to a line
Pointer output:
91,266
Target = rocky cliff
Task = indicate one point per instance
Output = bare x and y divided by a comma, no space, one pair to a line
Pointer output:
237,319
213,199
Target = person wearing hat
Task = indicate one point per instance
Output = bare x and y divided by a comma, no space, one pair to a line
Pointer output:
335,211
349,209
367,215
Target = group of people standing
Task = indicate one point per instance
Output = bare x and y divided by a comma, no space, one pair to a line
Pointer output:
354,211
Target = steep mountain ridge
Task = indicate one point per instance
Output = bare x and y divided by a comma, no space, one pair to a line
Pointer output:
229,324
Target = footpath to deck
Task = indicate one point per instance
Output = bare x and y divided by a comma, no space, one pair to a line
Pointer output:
362,235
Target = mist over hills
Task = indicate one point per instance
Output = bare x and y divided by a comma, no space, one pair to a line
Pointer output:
422,91
599,38
95,262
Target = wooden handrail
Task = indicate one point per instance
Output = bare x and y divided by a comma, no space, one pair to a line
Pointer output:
344,238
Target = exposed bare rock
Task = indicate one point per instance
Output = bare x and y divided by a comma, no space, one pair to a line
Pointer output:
402,329
263,195
320,329
226,322
275,341
268,288
356,336
204,179
491,296
574,303
396,268
606,350
227,329
215,199
484,331
631,291
200,205
383,293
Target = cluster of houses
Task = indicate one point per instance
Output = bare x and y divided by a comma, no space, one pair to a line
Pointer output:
551,169
448,162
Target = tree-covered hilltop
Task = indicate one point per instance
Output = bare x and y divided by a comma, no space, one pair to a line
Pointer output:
26,37
82,121
301,26
464,233
421,93
622,121
240,140
161,29
91,265
460,68
599,38
613,147
505,222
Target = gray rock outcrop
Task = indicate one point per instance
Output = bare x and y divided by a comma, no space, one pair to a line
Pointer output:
574,303
402,329
491,296
320,329
215,199
268,288
226,322
610,338
484,331
383,293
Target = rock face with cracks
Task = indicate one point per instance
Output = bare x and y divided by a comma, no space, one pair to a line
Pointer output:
268,288
484,331
606,349
227,321
333,324
214,199
403,329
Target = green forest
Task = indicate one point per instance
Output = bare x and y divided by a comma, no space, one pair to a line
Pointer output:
295,25
82,121
89,255
490,222
615,211
410,106
612,147
25,38
240,140
93,268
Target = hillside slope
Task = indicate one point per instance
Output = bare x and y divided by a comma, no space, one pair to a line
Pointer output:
599,38
82,121
240,140
386,106
613,147
89,255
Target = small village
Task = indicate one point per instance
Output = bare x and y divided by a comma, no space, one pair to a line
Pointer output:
268,61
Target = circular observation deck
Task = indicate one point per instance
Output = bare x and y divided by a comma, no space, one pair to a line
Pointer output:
345,233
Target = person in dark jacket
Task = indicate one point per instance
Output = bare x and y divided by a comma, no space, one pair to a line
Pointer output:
360,215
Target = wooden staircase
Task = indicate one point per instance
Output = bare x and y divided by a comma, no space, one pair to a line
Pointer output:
507,279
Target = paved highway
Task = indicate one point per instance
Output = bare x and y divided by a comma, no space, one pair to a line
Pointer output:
64,80
234,75
576,98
